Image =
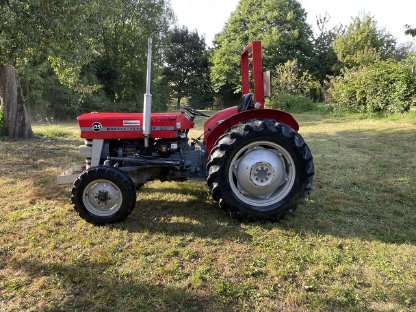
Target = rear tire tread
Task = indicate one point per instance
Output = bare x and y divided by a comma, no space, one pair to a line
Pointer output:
225,144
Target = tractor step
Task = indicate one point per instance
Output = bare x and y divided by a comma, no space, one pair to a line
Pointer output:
70,175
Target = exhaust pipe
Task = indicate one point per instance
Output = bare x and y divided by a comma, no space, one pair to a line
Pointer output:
147,105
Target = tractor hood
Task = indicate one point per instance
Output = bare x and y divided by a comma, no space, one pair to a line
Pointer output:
130,125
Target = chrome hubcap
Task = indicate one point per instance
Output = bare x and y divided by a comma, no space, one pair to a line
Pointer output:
262,173
102,198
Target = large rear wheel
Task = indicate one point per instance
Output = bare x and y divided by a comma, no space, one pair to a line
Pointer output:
260,169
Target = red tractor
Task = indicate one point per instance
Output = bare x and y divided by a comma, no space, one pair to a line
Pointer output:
256,164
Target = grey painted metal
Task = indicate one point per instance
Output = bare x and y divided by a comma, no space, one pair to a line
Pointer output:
97,148
262,173
147,109
85,151
102,198
267,85
112,129
70,175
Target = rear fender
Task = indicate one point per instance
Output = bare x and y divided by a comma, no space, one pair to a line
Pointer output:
219,123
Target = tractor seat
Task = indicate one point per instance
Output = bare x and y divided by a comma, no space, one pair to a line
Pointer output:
246,102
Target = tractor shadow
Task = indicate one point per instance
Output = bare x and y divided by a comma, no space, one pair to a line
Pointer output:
197,216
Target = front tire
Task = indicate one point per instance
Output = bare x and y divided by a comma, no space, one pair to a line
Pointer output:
103,195
260,169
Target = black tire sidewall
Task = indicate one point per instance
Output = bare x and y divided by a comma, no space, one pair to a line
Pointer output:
121,180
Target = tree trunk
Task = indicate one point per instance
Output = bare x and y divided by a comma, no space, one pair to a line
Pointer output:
16,116
178,104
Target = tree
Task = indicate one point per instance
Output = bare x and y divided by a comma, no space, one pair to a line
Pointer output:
121,66
410,31
71,40
187,67
15,113
282,27
363,43
31,31
324,61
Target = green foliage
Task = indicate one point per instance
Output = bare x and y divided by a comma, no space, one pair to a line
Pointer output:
187,68
294,103
121,65
34,31
85,54
279,24
410,31
382,87
294,90
363,43
3,129
291,80
55,132
47,97
324,61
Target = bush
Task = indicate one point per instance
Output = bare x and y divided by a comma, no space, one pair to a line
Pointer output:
292,103
3,129
291,80
382,87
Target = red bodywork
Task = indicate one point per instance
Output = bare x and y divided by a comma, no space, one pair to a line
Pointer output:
255,49
218,124
112,126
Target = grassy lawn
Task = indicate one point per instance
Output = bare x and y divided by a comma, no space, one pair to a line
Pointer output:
351,247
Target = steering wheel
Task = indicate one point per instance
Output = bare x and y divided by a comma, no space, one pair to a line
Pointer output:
193,111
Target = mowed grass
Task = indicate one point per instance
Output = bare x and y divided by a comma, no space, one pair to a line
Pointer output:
351,247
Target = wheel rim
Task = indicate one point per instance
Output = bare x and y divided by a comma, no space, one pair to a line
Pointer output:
102,198
262,173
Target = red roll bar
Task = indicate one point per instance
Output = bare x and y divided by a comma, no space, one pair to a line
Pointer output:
254,48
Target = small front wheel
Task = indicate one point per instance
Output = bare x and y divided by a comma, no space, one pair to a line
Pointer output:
103,195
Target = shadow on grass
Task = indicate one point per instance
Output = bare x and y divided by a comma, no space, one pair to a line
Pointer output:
87,286
198,216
